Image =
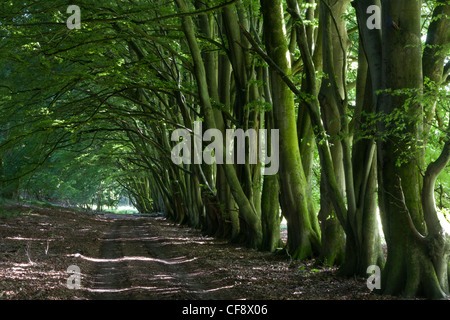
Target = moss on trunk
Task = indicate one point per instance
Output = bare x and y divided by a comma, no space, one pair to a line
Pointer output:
303,237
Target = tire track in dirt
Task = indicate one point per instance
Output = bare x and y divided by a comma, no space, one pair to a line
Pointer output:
142,259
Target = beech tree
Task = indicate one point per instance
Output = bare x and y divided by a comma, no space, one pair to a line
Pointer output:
304,236
417,259
359,99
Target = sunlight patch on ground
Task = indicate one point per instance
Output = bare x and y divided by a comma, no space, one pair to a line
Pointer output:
142,288
214,289
29,239
143,259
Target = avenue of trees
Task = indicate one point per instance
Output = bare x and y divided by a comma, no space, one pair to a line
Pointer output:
363,113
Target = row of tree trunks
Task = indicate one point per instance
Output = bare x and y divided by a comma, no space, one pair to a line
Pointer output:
417,262
362,162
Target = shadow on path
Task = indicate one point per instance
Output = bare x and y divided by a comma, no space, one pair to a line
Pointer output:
141,260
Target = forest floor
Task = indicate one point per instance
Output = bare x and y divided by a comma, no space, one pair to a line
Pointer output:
132,258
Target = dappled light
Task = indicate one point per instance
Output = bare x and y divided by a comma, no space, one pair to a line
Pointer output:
142,259
149,258
155,290
445,222
212,290
226,149
28,239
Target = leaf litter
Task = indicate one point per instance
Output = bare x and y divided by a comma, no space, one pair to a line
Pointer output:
157,260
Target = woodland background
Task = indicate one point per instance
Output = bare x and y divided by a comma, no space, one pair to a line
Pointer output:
86,118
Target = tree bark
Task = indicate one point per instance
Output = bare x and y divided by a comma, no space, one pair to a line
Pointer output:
434,56
246,208
270,204
303,239
409,268
332,96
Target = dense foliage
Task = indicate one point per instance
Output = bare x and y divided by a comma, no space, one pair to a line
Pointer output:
87,116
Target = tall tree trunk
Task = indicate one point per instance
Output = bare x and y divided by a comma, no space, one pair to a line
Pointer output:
334,53
411,267
303,239
363,245
270,204
434,56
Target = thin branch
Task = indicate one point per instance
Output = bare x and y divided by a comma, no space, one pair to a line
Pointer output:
404,207
428,196
193,13
269,61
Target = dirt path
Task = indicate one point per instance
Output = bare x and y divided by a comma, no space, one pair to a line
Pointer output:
128,257
138,262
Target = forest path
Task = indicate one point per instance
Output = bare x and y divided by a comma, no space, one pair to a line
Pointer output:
143,258
134,258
